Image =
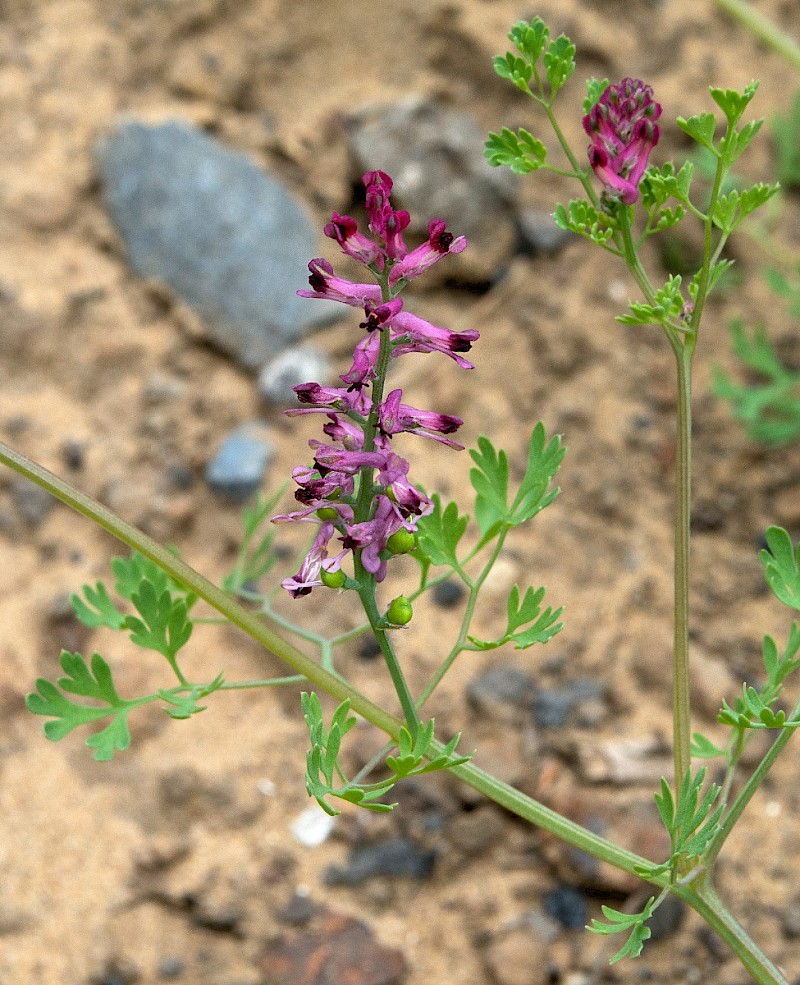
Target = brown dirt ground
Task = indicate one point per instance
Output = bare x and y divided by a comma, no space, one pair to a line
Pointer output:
100,862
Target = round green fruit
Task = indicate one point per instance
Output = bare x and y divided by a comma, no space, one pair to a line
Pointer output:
333,579
402,541
400,611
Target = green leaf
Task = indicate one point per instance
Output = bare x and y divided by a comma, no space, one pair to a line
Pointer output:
530,38
490,482
519,150
439,532
594,90
582,217
164,625
770,411
701,129
131,572
703,748
516,70
185,703
660,184
98,609
256,554
559,62
668,305
733,103
541,625
544,461
782,567
92,681
735,143
619,923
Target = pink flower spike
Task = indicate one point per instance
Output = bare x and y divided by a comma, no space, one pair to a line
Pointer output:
325,284
438,244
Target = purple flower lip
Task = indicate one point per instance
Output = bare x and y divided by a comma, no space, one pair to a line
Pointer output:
623,131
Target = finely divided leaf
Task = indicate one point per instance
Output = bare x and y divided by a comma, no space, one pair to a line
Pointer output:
782,567
98,609
544,461
439,532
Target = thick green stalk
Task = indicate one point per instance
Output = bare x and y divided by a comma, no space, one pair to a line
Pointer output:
761,27
681,706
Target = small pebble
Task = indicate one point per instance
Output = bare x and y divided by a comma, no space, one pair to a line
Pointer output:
567,906
73,455
448,594
237,469
312,827
369,649
33,503
171,967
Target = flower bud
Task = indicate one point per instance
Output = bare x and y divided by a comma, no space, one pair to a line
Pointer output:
400,611
402,541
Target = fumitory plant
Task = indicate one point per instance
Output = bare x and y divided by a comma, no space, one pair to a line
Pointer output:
363,509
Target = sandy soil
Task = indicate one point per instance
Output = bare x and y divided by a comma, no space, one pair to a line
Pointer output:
176,860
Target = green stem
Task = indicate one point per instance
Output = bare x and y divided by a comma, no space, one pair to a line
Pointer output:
761,27
710,907
255,626
681,705
746,794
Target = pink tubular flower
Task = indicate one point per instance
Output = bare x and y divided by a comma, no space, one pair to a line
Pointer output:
395,417
355,244
325,284
623,132
414,334
438,244
308,575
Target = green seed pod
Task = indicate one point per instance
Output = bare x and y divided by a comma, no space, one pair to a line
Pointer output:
327,513
333,579
402,541
400,611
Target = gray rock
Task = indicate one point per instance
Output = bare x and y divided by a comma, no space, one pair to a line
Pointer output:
435,157
33,502
300,364
237,469
395,857
228,239
540,234
502,693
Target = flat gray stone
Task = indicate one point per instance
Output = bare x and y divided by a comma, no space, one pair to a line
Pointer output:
227,238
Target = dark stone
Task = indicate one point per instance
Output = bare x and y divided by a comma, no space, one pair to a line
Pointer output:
223,235
501,692
395,857
552,707
567,906
369,649
73,455
298,911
